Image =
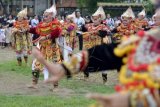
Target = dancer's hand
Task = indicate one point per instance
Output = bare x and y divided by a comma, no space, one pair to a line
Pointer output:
115,100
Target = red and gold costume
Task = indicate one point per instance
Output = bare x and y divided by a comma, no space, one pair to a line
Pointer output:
49,31
48,47
91,37
126,30
141,22
127,27
21,39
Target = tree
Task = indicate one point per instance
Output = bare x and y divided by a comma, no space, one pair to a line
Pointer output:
3,2
3,6
149,7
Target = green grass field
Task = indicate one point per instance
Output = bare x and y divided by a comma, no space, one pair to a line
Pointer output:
76,98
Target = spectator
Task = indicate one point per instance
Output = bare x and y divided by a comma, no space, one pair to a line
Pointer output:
34,23
117,21
2,36
80,22
110,21
10,20
8,29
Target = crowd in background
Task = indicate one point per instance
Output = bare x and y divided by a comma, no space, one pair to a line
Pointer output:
6,23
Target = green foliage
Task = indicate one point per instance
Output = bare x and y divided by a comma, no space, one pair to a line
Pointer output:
149,7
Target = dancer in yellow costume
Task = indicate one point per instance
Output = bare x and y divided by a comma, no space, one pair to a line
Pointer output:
141,22
92,37
21,39
127,27
49,30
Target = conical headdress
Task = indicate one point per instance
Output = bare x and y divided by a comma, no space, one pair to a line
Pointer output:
100,12
128,13
142,13
71,15
22,13
52,10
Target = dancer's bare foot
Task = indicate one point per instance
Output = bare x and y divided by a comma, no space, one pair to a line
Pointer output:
114,100
56,70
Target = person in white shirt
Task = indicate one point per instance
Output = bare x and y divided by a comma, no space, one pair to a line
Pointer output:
34,23
110,22
2,36
80,22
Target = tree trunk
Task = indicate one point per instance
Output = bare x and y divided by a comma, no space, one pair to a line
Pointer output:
11,6
3,6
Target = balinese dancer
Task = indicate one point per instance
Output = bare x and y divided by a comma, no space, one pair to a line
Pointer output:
69,33
96,32
127,27
141,22
49,30
21,38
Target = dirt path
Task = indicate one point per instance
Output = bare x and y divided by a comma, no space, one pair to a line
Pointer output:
16,84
